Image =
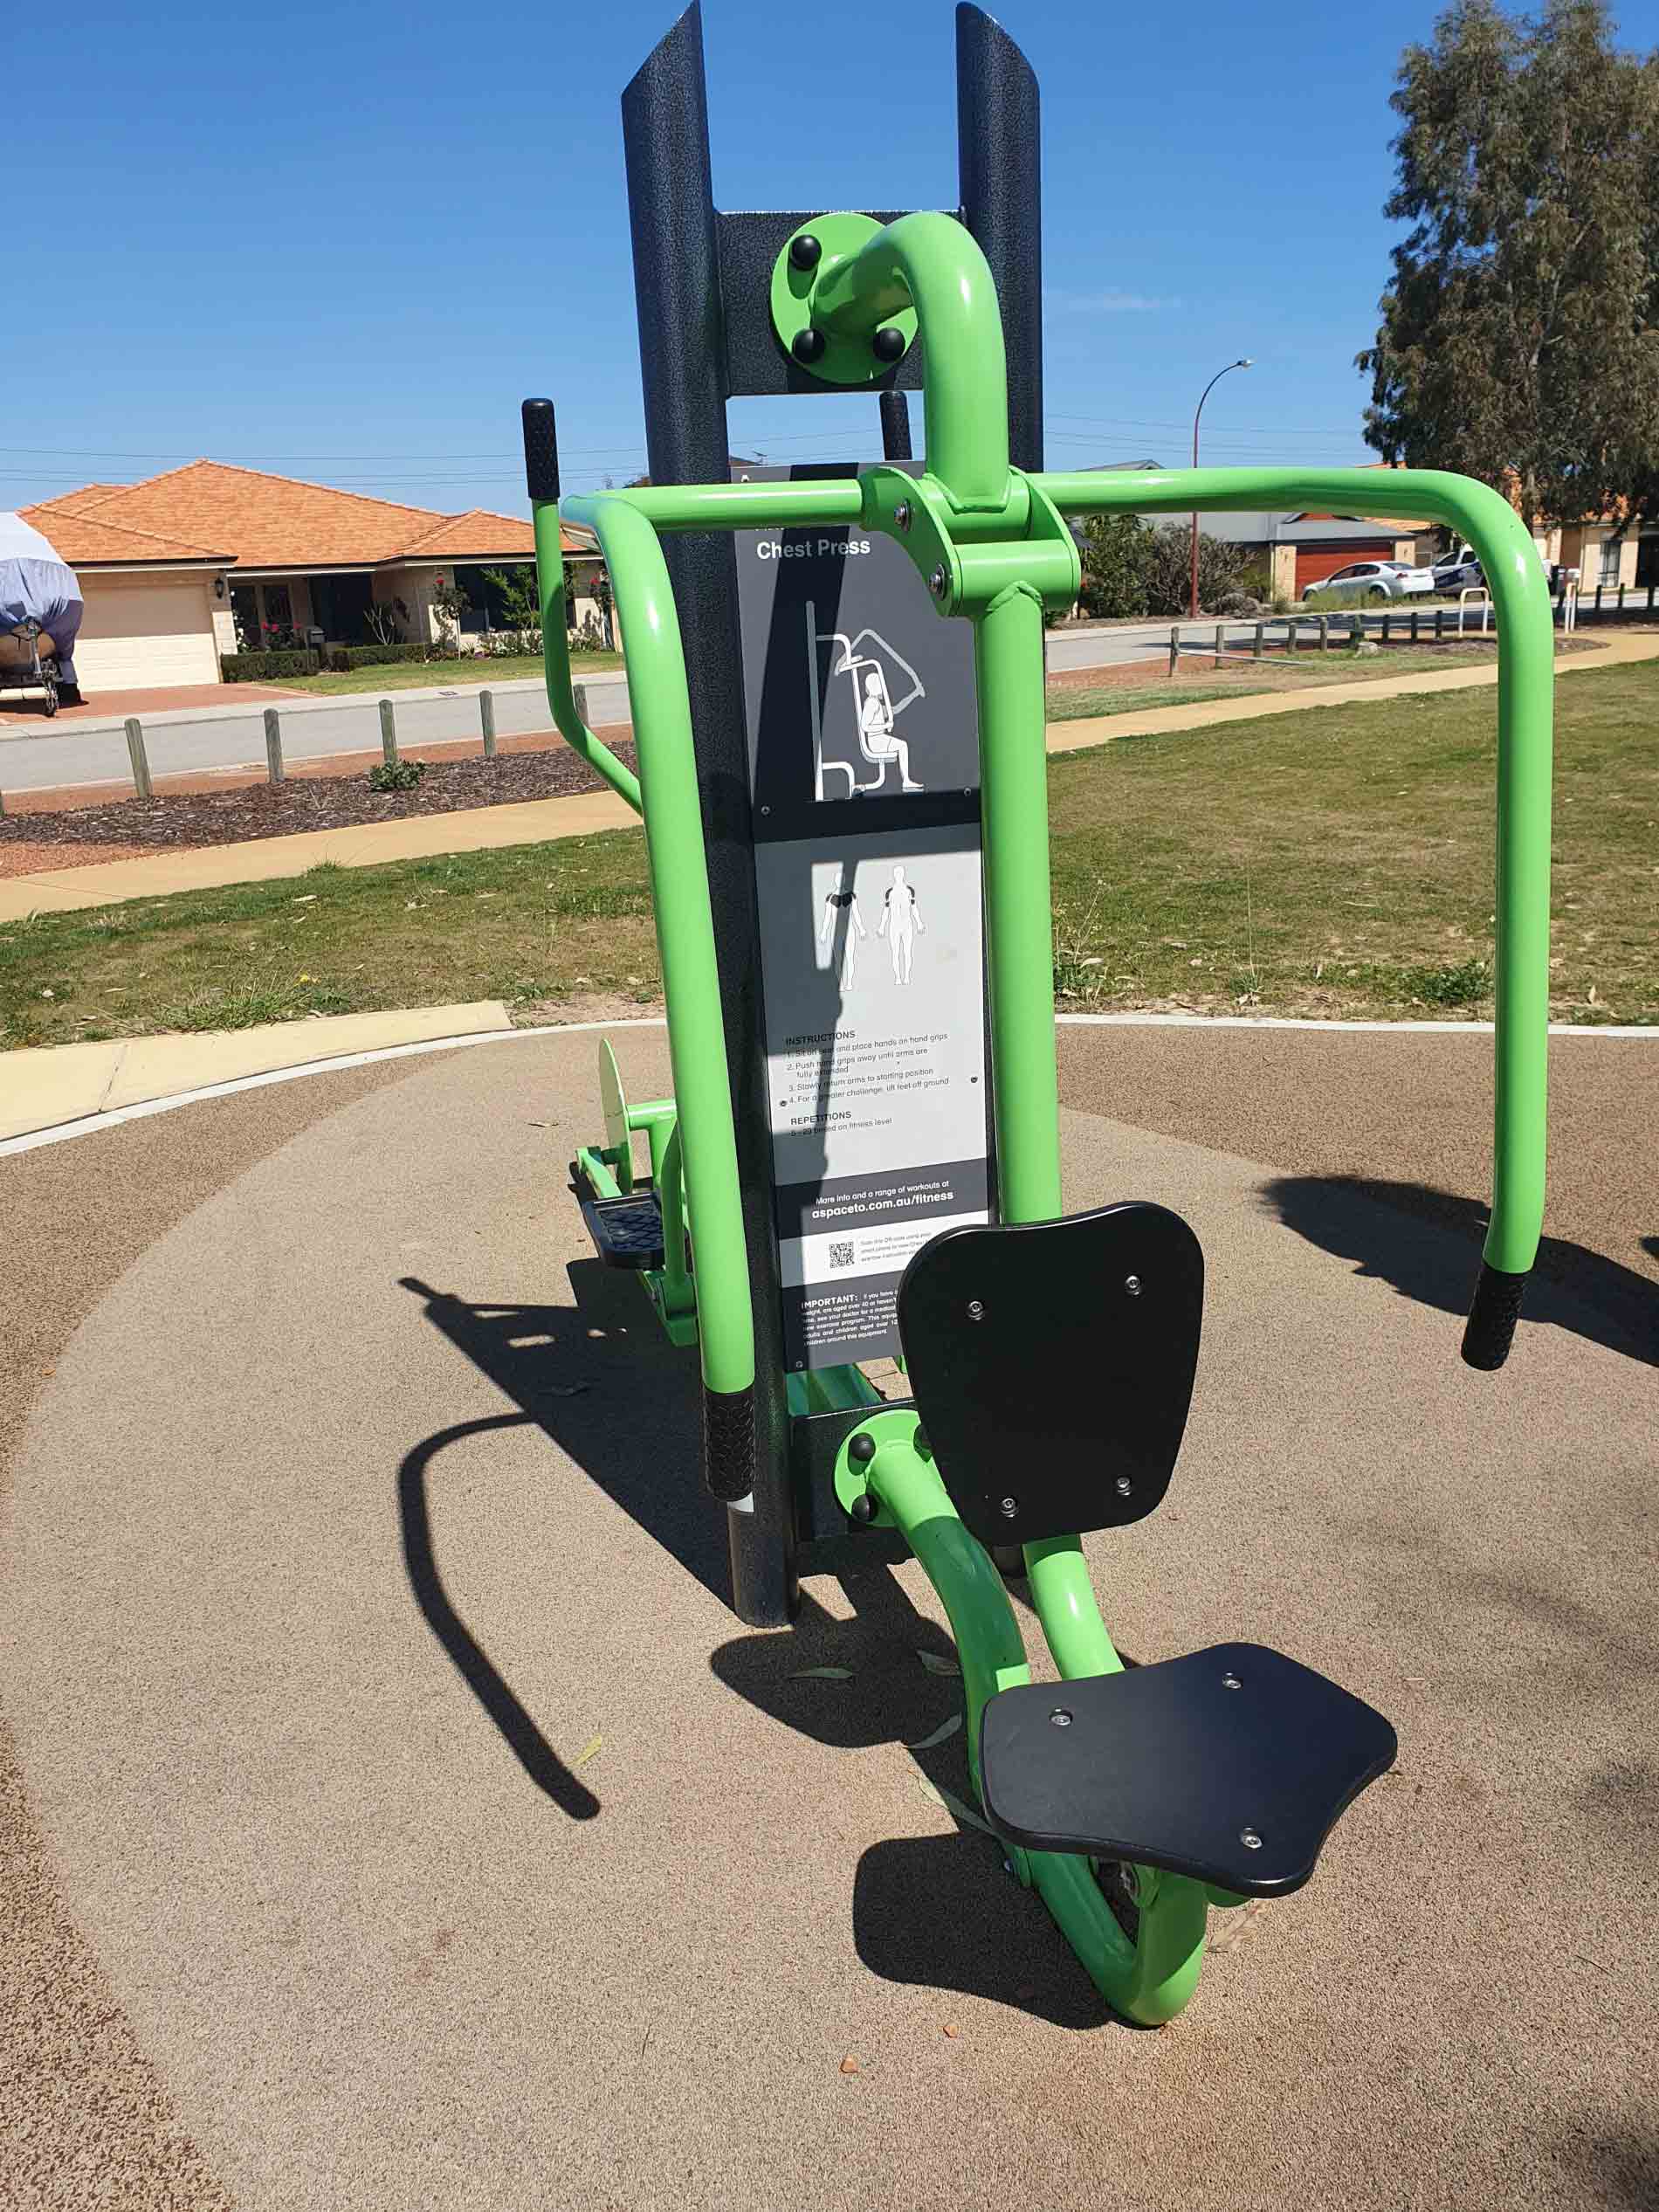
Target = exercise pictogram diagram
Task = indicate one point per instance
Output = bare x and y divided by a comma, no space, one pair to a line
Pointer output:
901,923
841,915
882,686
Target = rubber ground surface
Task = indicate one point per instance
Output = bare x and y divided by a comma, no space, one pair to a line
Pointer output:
401,1818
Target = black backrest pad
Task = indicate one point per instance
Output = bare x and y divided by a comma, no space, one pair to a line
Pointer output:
1052,1366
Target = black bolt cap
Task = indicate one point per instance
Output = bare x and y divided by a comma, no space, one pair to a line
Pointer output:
863,1449
863,1509
806,251
808,346
889,342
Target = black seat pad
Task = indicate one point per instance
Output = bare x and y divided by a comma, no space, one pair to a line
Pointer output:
1168,1766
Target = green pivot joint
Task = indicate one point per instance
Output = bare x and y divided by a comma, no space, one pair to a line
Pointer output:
968,560
924,269
855,359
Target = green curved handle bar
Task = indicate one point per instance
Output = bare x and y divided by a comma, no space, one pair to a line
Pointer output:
1526,706
930,262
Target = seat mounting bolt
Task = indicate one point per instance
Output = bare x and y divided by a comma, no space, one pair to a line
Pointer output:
1060,1716
1231,1682
975,1309
1250,1840
1010,1506
1131,1283
1122,1485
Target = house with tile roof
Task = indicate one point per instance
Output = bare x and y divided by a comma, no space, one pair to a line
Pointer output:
203,560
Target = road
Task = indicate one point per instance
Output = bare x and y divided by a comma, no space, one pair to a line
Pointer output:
206,740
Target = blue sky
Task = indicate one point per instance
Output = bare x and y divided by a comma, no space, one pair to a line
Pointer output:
344,244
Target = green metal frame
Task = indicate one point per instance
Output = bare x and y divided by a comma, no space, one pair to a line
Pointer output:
992,547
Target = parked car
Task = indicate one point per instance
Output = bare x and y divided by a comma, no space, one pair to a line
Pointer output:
1373,580
1459,569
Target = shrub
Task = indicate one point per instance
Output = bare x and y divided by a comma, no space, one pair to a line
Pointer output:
342,658
396,775
1114,549
1169,568
256,668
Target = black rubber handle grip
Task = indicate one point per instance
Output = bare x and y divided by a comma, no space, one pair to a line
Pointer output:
728,1443
1491,1328
541,449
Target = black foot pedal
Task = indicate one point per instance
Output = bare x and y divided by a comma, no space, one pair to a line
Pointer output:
627,1231
1230,1765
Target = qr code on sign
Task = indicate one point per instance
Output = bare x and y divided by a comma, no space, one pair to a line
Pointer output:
840,1254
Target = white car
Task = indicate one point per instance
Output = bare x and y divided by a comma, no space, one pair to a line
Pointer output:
1373,580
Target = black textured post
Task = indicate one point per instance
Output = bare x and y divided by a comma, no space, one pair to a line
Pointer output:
895,427
682,350
998,141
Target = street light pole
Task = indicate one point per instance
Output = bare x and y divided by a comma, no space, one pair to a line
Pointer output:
1243,363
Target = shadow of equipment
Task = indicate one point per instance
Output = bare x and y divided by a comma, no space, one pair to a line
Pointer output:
529,1747
620,1404
598,1378
1395,1233
937,1910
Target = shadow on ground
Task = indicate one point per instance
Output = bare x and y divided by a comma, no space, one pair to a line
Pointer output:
1380,1226
937,1912
618,1401
529,1747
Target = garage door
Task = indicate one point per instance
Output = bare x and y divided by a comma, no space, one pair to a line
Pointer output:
142,633
1315,563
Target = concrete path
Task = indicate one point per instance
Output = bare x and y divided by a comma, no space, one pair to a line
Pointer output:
48,1086
66,889
1068,737
407,1820
262,859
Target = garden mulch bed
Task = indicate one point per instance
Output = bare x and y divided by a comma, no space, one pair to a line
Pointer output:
126,828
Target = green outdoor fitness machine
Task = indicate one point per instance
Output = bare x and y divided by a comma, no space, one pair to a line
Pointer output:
836,684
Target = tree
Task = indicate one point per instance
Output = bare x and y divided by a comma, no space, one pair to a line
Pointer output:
520,597
449,602
1517,341
1114,549
1169,568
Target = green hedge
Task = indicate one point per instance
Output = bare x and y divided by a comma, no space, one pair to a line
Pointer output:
255,668
344,657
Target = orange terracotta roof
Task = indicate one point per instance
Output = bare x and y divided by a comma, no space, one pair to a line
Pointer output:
476,533
76,499
280,522
85,539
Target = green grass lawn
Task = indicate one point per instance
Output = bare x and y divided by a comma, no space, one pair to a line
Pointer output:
1336,861
400,675
1306,672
